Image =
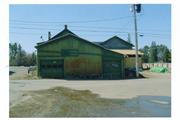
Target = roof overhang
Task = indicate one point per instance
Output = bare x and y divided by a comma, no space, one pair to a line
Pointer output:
127,51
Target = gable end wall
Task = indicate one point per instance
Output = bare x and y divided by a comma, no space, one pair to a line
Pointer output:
116,44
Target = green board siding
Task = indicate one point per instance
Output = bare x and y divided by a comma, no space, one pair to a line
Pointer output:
86,57
112,68
88,60
112,59
83,64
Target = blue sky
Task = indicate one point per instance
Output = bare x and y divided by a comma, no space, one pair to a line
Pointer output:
28,22
155,17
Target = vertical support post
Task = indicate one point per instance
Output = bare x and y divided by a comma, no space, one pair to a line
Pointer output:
136,41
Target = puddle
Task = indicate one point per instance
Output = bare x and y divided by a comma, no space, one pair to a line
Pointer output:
161,102
65,102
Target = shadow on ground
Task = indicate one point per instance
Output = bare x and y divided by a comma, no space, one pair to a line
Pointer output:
127,77
11,72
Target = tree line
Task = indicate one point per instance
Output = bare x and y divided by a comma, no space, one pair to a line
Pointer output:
19,57
156,53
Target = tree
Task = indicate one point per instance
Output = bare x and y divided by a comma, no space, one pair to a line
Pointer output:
160,52
166,54
129,38
20,56
145,56
169,56
33,59
153,52
12,50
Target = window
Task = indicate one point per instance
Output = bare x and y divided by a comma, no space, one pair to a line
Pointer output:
134,55
60,66
54,66
43,66
48,66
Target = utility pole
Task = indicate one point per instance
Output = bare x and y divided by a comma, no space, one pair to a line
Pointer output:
136,37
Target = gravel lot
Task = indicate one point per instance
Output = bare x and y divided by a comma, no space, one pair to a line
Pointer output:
145,97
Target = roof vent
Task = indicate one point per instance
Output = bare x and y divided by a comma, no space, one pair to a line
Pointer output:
49,35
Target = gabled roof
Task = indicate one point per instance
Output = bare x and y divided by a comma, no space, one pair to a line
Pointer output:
119,39
69,34
64,32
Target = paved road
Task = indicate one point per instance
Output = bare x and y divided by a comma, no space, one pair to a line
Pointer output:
106,88
15,69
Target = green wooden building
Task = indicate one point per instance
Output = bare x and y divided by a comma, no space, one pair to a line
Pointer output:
66,54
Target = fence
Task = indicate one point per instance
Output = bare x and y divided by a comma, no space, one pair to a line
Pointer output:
150,65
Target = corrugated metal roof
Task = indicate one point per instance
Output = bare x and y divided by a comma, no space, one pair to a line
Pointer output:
127,51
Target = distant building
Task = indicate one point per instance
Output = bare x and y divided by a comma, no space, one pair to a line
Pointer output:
121,46
66,54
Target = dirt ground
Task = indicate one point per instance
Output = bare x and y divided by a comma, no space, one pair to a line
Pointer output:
148,74
21,73
44,98
65,102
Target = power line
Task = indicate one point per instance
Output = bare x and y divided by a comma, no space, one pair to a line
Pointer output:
47,34
58,29
158,36
86,27
82,35
72,21
28,33
124,25
89,31
155,34
150,30
58,25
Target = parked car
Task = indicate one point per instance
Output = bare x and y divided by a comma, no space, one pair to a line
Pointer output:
31,68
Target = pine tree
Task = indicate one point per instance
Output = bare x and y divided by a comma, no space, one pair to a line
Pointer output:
33,58
153,52
166,54
129,38
169,57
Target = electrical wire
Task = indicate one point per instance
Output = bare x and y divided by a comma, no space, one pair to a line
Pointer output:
86,27
83,35
52,34
89,31
124,26
58,29
72,21
28,33
58,25
159,37
155,34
